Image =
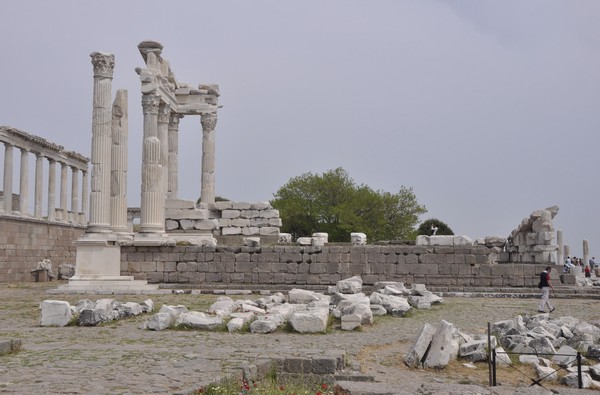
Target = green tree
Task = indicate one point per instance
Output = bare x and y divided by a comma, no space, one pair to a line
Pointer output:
426,228
332,202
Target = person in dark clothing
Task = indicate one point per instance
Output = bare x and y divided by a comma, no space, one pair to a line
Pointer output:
545,286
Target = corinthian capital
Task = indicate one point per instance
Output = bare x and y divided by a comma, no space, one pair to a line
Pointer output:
209,121
174,120
150,104
164,111
104,64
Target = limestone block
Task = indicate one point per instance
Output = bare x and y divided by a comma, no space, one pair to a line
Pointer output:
572,380
317,241
494,241
269,231
567,359
106,308
553,211
231,231
240,205
179,204
89,317
440,349
540,225
362,310
419,302
222,307
545,237
251,231
260,206
174,311
159,321
418,289
285,238
147,305
305,241
395,290
131,309
264,325
285,310
187,224
171,224
530,238
65,271
462,241
350,322
415,356
358,239
199,320
441,240
473,351
321,235
206,224
230,214
220,206
246,307
259,222
224,222
548,373
191,214
247,317
251,214
235,325
350,285
343,300
502,358
240,222
311,321
393,304
422,240
302,296
378,309
269,213
277,222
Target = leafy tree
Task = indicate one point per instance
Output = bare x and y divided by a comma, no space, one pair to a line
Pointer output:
333,203
425,228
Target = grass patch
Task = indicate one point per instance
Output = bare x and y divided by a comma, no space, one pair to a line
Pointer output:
271,385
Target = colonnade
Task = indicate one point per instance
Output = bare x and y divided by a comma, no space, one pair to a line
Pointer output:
56,156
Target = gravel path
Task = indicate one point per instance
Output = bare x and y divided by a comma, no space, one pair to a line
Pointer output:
121,358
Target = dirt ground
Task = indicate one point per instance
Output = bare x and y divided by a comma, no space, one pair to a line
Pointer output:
121,358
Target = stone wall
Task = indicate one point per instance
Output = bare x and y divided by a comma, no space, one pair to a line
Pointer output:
310,266
25,242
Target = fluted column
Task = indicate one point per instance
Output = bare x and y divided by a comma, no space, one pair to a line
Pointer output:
8,177
75,194
39,179
85,194
118,193
63,191
560,259
24,183
51,189
152,211
101,142
164,113
173,160
207,193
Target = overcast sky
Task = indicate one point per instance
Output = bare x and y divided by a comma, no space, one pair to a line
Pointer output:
489,110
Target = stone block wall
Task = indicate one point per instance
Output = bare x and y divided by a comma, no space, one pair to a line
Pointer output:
311,266
25,242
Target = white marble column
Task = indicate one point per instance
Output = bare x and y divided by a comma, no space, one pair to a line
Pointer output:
560,259
51,189
85,205
207,193
586,253
39,182
24,183
164,113
173,161
118,194
101,142
152,211
74,194
8,177
63,192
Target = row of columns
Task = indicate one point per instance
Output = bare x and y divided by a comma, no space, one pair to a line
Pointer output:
63,212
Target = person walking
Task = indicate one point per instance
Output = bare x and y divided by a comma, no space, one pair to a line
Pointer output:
545,286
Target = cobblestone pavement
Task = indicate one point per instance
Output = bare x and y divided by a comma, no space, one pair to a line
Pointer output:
121,358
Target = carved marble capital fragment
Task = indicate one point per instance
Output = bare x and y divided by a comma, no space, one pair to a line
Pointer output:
209,121
150,104
104,64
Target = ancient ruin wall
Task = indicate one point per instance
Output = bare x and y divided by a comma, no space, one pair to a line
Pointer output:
297,266
28,241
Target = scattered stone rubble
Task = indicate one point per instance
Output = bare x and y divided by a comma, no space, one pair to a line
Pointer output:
531,241
554,341
89,313
305,311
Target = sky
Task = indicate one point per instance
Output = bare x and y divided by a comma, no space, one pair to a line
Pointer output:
488,110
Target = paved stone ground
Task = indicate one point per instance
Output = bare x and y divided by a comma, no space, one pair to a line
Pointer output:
121,358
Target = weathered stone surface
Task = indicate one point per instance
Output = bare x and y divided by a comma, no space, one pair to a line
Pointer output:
567,356
235,325
310,321
65,271
350,285
362,310
55,313
572,380
473,351
199,320
441,240
358,239
159,321
378,309
89,317
419,302
302,296
417,352
441,347
502,357
351,322
222,307
393,304
264,325
546,373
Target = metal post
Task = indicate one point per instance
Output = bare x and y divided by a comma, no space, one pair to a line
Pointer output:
494,367
579,378
489,354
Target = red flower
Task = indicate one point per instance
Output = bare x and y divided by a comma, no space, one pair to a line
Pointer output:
255,385
281,388
319,393
323,386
